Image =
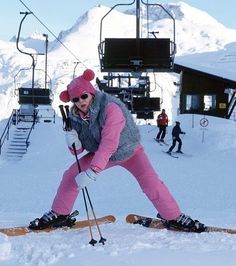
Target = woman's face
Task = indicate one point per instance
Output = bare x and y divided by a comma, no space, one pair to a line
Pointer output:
83,102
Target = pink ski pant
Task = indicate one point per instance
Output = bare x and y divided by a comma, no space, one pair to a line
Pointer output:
139,166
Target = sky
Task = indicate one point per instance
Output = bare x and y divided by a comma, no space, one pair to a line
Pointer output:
61,15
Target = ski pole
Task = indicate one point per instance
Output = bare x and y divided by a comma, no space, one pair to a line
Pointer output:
102,239
64,119
92,241
66,127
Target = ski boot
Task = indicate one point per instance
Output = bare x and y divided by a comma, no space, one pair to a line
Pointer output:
183,223
53,220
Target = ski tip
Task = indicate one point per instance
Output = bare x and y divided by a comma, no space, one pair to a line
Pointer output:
132,218
111,218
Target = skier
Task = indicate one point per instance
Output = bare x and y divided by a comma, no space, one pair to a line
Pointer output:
176,131
162,123
102,125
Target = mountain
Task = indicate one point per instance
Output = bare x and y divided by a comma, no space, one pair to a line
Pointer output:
196,33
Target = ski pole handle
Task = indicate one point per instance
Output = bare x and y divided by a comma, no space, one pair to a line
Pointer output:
65,117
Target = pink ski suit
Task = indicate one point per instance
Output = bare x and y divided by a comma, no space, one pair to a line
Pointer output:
138,165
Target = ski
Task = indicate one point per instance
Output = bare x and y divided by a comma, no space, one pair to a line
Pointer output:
161,142
171,155
23,230
183,154
158,224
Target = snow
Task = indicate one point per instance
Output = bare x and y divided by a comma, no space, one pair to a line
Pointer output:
203,184
213,62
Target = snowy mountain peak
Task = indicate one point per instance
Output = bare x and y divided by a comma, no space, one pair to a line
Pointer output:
183,11
180,11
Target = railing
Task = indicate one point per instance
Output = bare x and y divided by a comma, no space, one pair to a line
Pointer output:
5,134
32,127
15,118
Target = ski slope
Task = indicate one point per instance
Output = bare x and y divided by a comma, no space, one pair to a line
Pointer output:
203,184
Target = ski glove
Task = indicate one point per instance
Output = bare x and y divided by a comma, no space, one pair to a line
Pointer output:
72,137
83,179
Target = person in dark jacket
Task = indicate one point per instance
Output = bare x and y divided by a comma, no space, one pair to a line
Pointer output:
176,131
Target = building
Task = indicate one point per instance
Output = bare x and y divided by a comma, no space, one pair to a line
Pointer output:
207,87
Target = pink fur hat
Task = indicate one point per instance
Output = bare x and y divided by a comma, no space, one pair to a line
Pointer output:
79,86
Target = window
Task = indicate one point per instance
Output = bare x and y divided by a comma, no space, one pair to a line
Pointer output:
192,102
209,102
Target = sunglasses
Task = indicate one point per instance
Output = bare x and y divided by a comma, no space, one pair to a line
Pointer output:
83,97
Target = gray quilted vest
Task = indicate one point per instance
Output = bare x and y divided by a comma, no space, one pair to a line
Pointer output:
89,132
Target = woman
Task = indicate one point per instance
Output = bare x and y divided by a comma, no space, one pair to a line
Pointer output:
102,125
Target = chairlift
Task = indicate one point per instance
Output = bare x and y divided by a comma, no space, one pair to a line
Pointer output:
137,54
134,57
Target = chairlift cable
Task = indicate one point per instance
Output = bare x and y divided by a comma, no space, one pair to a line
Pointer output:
53,34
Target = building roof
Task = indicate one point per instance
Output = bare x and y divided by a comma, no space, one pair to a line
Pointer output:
219,65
